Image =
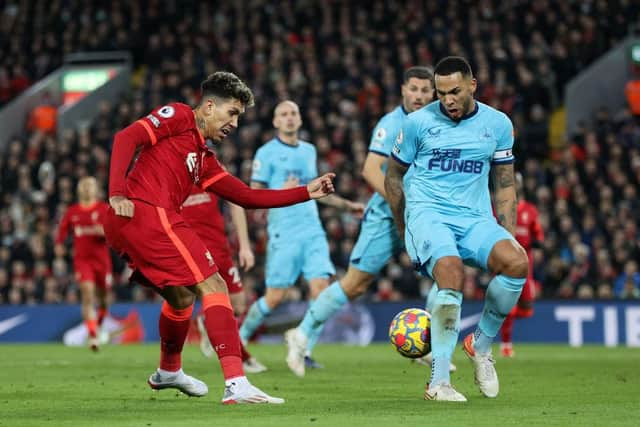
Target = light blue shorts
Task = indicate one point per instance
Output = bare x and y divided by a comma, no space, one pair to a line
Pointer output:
377,243
430,236
289,255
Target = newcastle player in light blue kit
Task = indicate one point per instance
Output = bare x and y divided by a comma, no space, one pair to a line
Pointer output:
451,146
378,239
297,241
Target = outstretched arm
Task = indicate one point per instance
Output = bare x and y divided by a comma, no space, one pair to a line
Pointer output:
355,208
504,194
395,192
231,188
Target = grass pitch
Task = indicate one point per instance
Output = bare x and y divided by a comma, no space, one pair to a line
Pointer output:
50,385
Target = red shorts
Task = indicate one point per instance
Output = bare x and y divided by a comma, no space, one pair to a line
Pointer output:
227,270
98,273
161,245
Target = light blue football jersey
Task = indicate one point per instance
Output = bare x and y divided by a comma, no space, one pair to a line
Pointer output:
273,164
451,160
382,140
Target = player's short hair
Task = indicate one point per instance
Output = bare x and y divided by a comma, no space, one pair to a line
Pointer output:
423,73
453,64
226,85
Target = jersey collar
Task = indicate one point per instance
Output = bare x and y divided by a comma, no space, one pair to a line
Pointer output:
288,145
87,207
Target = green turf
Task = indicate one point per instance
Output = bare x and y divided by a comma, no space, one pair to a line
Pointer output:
50,385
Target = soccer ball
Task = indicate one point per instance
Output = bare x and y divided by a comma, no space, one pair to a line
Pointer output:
410,332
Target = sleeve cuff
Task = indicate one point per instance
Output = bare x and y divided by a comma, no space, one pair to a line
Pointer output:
380,153
399,160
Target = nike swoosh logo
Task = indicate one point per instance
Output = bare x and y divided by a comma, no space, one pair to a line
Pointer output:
469,321
7,324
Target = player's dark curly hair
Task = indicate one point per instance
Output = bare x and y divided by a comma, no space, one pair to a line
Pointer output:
453,64
226,85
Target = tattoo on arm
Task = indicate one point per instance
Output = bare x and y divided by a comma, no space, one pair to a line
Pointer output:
506,202
395,192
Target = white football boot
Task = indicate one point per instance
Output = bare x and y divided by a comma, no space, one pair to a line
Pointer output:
240,390
444,393
486,376
297,347
178,380
252,366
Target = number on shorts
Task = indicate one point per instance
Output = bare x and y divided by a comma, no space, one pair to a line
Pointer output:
235,274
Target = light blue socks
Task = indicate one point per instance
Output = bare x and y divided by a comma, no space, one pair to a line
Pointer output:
502,294
258,311
313,338
326,305
445,327
431,297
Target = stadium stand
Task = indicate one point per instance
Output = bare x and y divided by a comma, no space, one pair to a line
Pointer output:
342,64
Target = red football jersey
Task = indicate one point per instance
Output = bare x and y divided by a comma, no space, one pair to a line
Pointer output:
528,228
86,223
173,158
201,210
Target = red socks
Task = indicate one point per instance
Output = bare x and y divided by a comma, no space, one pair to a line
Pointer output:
92,327
507,326
174,326
506,332
102,313
222,330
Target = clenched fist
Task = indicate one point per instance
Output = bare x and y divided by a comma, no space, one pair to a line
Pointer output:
122,206
321,186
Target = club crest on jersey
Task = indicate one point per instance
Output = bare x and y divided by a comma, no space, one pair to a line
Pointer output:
94,216
434,131
193,165
209,258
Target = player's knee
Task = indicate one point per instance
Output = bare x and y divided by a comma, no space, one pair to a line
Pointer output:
87,298
449,273
239,305
183,300
518,265
273,299
355,288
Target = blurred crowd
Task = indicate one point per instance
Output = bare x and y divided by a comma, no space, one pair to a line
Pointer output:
342,62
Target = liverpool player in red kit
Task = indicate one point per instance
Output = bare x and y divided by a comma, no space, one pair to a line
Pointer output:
201,211
91,258
528,232
145,226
